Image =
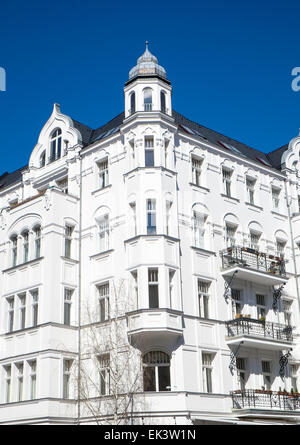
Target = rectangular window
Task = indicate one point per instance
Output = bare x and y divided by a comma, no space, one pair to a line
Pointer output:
104,232
254,240
67,306
149,152
250,183
68,240
25,246
14,251
134,275
151,216
196,171
171,287
67,365
20,368
37,242
7,369
199,229
230,235
34,307
22,305
168,211
153,288
226,181
275,198
260,306
241,368
103,295
298,203
103,173
11,311
32,365
207,360
203,298
266,370
104,374
236,302
133,229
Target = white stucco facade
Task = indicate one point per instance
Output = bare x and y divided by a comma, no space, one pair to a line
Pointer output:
174,224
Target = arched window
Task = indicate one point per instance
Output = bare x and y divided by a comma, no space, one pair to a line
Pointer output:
156,366
43,159
147,99
163,101
55,145
132,103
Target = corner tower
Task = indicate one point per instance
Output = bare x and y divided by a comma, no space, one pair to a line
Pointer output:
148,89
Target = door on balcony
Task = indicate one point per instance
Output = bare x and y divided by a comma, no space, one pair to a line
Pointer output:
261,306
241,372
236,302
266,372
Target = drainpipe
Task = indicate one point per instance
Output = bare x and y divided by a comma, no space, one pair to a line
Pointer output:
292,244
79,290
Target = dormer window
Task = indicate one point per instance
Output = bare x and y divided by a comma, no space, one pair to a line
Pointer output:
55,145
147,99
132,103
163,101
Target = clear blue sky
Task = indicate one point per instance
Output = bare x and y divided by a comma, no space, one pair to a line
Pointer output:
229,62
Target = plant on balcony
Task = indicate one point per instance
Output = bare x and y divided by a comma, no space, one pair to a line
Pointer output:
263,319
238,316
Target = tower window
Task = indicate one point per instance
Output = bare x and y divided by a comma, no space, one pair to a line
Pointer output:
151,217
132,103
153,288
147,99
163,101
149,151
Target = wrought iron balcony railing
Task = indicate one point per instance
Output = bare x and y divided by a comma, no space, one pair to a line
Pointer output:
259,328
253,259
262,399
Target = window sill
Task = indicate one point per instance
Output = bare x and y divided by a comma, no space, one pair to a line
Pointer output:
231,198
199,187
99,254
136,169
254,205
101,189
278,214
136,237
18,266
35,328
69,259
200,249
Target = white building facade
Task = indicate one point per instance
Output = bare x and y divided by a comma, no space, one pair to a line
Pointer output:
204,233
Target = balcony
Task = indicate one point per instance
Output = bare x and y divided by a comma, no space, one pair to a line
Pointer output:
155,324
265,400
253,265
259,334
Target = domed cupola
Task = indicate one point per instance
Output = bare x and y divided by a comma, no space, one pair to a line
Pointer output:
147,65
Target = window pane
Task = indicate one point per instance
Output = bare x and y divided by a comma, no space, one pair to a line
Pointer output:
163,378
153,296
149,379
149,158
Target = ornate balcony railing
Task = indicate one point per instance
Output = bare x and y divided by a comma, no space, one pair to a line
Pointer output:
259,328
253,259
261,399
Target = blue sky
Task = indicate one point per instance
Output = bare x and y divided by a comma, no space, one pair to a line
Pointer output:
229,62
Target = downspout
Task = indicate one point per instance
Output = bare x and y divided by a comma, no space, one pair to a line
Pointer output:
79,291
292,244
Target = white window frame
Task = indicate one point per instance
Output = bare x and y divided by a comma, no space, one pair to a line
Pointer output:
104,233
203,288
103,173
103,291
196,170
104,374
207,372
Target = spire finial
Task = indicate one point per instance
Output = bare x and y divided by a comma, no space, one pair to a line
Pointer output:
147,43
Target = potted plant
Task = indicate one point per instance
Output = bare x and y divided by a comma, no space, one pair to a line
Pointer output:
263,319
238,315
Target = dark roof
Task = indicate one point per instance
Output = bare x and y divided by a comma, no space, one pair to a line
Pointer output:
275,156
10,178
216,138
89,136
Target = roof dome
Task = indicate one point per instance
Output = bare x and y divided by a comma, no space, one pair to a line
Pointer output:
147,64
